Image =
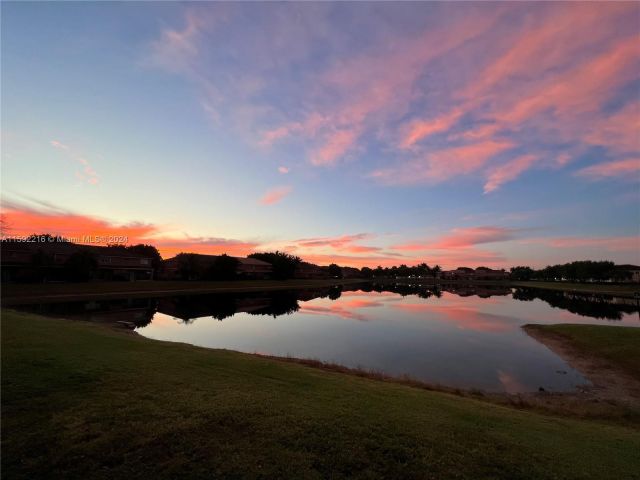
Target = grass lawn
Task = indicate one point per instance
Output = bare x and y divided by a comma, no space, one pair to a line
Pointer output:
619,345
85,401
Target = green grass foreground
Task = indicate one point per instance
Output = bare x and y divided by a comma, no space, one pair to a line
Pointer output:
618,345
85,401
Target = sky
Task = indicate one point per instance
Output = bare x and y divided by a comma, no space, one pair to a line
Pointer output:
458,134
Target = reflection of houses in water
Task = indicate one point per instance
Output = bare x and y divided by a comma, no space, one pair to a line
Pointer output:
139,312
129,312
482,291
220,306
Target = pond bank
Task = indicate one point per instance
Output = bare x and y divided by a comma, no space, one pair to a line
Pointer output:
14,294
609,356
87,401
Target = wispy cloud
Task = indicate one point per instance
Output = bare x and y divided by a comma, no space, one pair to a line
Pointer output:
605,244
441,165
556,78
628,169
507,172
275,195
462,238
85,172
60,145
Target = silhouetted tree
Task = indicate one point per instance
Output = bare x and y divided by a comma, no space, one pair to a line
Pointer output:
223,268
335,292
283,264
522,273
335,271
366,272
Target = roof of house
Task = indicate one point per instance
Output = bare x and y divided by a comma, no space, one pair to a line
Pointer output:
69,248
252,261
211,258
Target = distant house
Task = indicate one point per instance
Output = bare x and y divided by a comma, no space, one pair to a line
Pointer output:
484,273
305,270
480,273
626,273
350,272
253,268
250,268
460,273
24,261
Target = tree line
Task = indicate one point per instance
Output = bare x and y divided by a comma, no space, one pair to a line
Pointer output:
82,265
579,271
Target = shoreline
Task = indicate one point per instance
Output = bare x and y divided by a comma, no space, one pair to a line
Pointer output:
85,399
609,382
613,395
16,294
195,288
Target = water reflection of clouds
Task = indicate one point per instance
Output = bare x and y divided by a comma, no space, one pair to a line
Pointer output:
466,318
334,310
509,383
360,303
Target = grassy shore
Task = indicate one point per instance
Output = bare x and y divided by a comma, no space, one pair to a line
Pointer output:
14,294
622,290
85,401
620,346
17,293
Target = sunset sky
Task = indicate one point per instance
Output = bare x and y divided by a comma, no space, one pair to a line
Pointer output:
356,133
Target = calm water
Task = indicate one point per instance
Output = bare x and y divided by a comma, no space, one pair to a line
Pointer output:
465,337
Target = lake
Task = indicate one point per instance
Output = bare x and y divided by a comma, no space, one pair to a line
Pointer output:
460,336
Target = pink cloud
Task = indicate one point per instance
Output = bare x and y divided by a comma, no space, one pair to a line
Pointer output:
269,137
611,244
283,170
334,242
334,309
626,169
275,195
462,238
507,172
86,173
421,129
560,69
336,145
444,164
465,318
619,131
60,145
25,220
581,90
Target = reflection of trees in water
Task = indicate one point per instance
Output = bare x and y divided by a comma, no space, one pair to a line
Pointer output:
221,306
587,305
139,312
283,302
335,292
188,308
